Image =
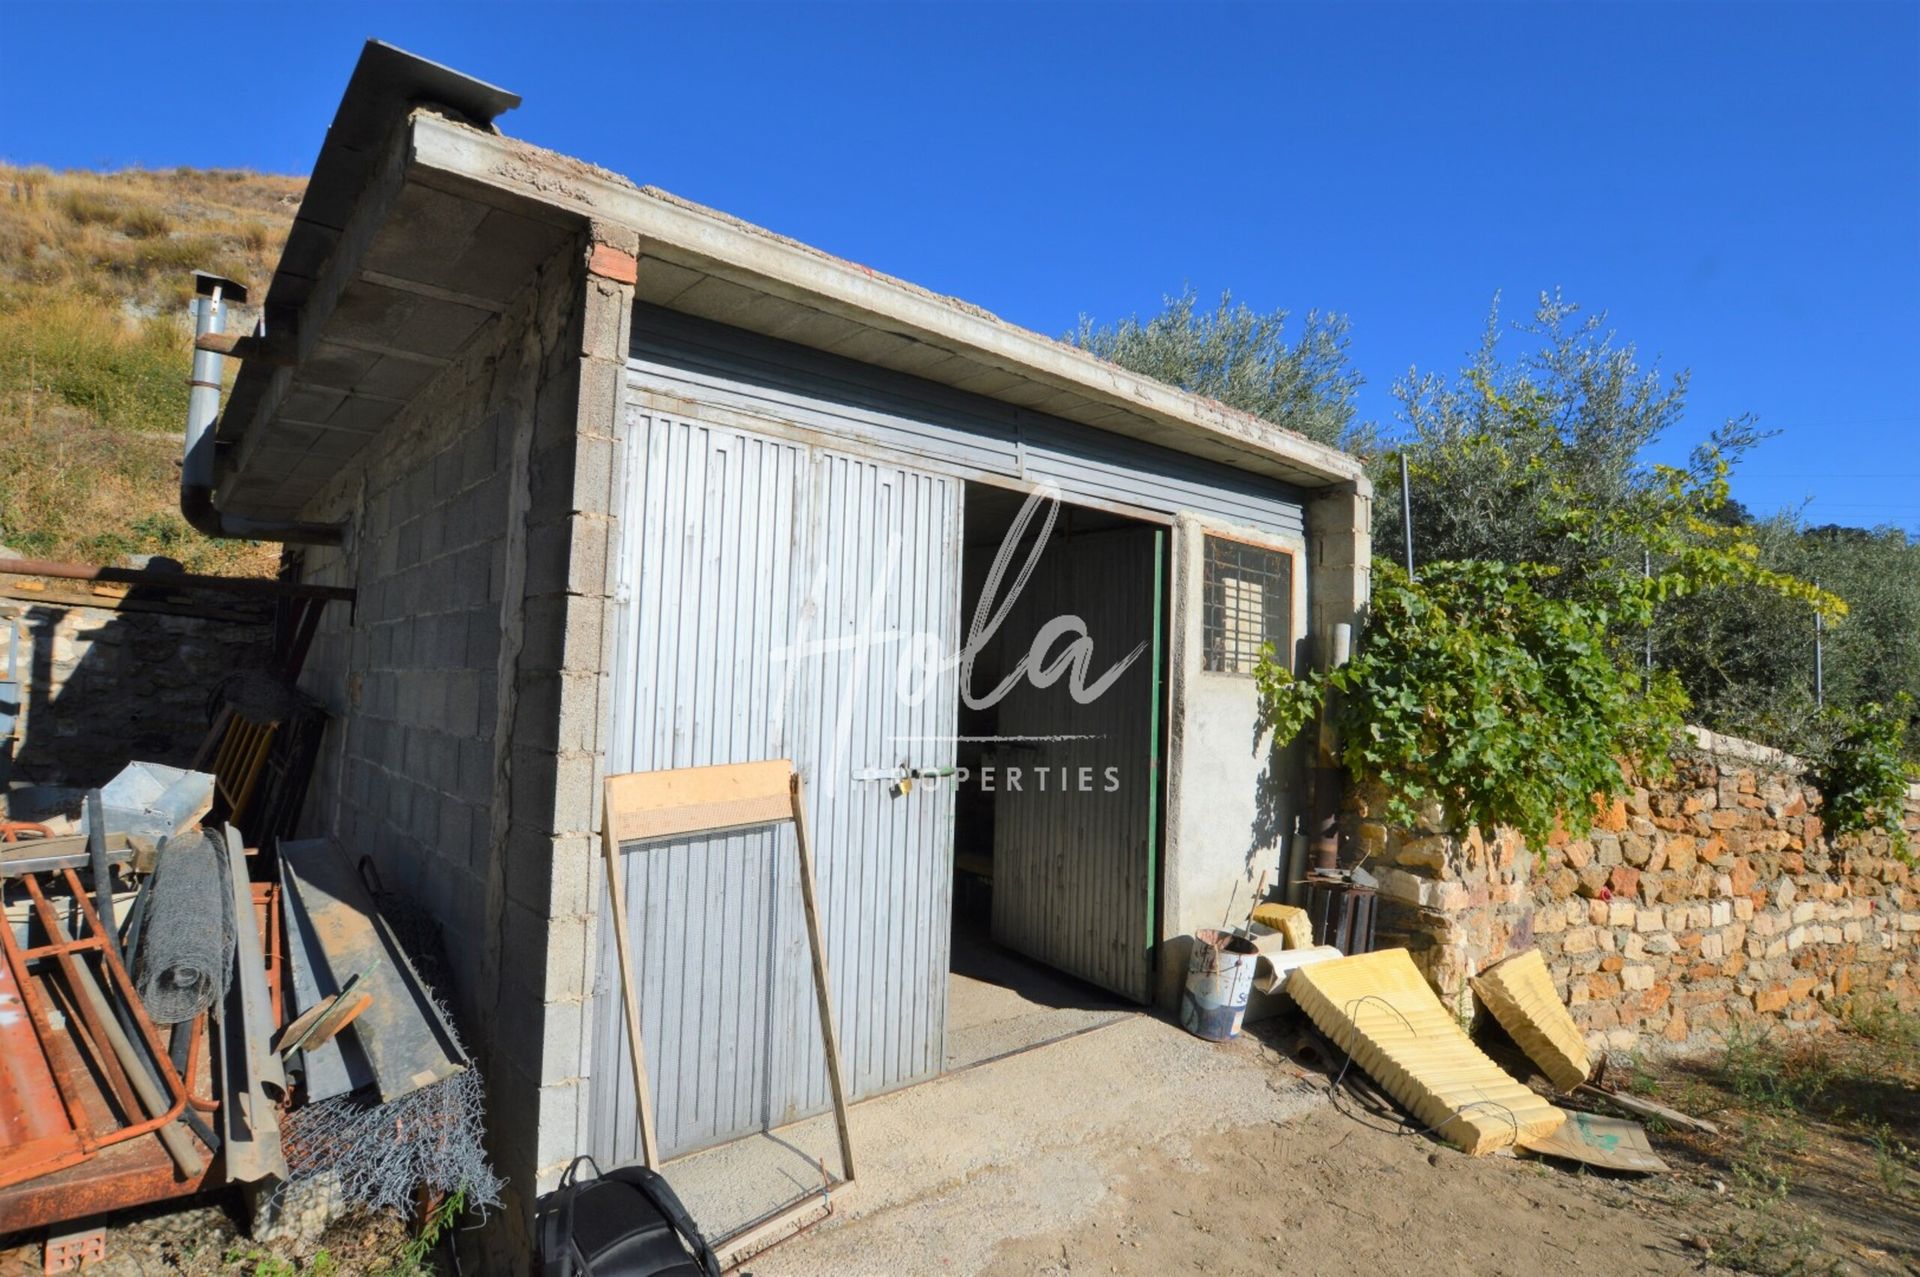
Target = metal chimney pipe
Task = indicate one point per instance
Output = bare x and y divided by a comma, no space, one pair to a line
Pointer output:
211,293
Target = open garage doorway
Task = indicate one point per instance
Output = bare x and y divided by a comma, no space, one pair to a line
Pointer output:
1057,818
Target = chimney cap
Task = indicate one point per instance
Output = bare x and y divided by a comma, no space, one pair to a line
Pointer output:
204,282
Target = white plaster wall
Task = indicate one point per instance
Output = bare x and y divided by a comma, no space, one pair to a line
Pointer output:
1231,805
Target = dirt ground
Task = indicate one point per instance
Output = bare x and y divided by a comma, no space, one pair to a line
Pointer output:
1814,1171
1329,1194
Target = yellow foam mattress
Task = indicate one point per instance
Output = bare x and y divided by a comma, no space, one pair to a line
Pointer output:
1520,994
1290,921
1379,1009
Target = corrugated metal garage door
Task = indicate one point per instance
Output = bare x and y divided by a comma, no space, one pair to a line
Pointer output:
738,547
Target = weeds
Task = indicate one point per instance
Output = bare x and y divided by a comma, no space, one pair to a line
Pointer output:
94,350
1640,1079
1772,1246
1764,1075
379,1255
258,1262
1891,1159
1760,1179
416,1256
1881,1020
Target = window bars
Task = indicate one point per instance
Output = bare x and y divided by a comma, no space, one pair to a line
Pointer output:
1247,604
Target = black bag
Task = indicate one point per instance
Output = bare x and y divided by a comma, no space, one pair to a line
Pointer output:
627,1224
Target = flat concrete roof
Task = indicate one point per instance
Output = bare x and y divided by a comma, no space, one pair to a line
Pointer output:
422,223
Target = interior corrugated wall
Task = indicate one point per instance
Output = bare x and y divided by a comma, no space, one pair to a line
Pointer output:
1071,870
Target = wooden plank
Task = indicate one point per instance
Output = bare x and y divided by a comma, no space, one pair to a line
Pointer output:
636,1049
1648,1110
667,804
336,1019
758,1238
697,800
822,989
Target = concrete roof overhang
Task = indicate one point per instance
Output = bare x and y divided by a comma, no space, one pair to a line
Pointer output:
421,225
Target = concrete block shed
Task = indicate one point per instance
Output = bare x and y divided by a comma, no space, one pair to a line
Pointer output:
625,483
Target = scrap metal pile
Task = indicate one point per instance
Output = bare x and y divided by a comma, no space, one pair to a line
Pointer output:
180,1010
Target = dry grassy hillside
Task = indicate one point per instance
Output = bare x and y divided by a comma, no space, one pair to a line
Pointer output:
95,344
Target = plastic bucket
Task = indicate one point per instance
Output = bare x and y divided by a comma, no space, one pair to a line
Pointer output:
1219,976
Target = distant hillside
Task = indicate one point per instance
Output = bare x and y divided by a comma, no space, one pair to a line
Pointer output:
95,346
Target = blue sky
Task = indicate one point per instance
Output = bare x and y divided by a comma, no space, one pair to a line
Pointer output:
1738,185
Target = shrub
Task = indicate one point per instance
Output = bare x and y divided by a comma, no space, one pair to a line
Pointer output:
145,222
1863,775
1472,688
90,208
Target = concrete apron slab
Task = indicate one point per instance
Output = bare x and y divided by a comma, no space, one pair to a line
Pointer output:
1020,1146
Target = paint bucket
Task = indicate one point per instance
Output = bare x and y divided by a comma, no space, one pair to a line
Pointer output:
1219,976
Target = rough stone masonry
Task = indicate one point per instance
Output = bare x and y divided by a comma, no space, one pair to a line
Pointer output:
109,676
1713,895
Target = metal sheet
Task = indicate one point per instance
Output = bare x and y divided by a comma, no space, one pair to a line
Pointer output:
743,546
406,1042
251,1077
842,399
1071,864
328,1070
35,1134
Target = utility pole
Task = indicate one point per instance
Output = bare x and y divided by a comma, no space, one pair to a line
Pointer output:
1819,654
1646,573
1406,515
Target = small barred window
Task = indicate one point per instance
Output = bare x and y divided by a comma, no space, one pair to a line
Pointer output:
1248,604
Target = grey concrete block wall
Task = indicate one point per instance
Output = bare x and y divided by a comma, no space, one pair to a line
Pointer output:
469,685
561,741
1340,534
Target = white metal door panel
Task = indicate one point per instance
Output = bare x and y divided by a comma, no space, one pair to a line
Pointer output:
714,582
884,601
754,566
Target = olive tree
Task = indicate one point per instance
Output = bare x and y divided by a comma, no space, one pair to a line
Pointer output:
1243,358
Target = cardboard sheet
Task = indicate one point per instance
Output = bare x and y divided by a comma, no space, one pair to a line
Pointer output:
1610,1143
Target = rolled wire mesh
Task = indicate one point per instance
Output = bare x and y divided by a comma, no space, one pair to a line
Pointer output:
186,940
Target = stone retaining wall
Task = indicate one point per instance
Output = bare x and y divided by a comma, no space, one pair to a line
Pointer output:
119,675
1712,895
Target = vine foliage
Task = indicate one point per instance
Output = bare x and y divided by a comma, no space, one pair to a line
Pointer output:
1472,688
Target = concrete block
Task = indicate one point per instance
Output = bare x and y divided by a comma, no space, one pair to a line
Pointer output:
570,961
549,551
563,1053
577,784
565,632
604,323
575,875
